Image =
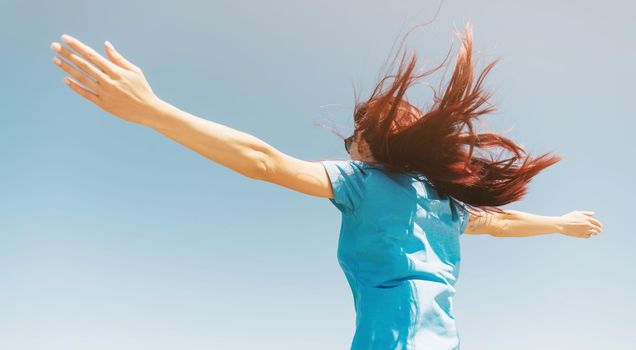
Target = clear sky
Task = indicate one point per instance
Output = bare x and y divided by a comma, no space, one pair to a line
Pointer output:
114,237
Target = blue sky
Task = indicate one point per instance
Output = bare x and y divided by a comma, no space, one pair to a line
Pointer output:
114,237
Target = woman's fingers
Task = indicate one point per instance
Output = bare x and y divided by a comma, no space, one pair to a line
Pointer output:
89,95
118,59
581,224
593,231
595,223
81,64
92,56
75,73
595,226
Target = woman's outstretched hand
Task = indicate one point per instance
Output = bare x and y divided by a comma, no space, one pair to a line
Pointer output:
114,84
580,224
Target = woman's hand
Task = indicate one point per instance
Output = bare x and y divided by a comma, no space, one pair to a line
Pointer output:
114,84
580,224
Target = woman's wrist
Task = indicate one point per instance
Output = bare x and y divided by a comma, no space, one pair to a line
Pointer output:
558,223
156,114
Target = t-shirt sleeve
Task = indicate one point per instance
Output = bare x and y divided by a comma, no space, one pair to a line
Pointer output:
463,214
348,179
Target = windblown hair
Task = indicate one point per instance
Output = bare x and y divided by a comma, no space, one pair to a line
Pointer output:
432,142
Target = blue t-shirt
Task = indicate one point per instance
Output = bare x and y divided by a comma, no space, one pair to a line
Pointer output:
399,249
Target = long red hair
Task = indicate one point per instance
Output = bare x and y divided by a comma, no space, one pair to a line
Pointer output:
441,142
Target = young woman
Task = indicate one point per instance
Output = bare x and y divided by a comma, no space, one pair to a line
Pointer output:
410,189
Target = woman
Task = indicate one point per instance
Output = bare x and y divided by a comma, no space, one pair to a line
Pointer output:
410,189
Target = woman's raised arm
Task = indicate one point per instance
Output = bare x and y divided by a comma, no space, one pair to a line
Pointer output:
119,87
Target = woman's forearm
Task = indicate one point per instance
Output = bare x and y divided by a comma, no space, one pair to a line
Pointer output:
231,148
522,224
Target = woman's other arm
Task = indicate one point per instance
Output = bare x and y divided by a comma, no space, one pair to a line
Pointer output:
514,223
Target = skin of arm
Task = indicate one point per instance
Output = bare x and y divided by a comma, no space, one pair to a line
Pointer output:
514,223
240,151
221,144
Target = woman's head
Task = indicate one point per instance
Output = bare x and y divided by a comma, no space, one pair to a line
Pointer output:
403,137
359,149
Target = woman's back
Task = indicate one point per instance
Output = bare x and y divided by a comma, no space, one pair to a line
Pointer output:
399,250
